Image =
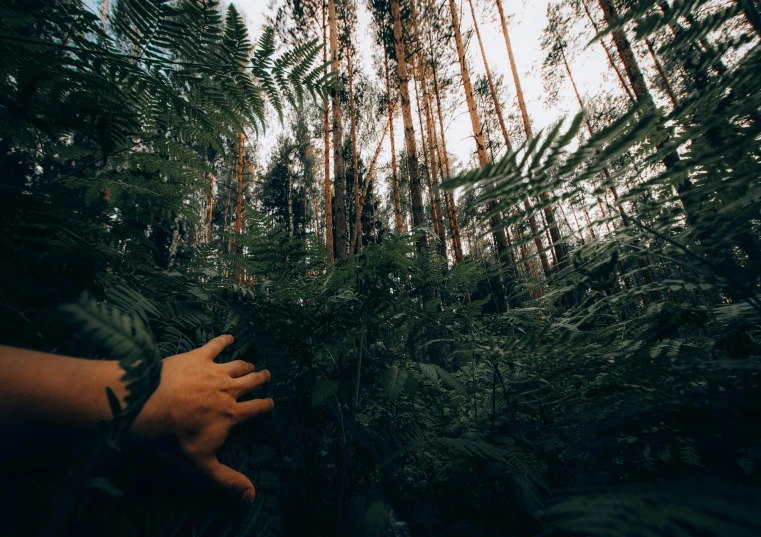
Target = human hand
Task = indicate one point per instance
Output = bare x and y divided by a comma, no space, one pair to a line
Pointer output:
196,405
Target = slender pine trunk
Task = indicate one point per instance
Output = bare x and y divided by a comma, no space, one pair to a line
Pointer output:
326,125
549,213
752,14
643,95
475,120
444,170
492,87
609,55
354,156
588,124
413,168
357,243
430,149
399,220
342,230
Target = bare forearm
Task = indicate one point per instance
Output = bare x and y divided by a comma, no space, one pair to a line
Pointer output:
40,388
192,411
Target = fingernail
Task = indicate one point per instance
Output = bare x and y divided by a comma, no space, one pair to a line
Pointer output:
247,497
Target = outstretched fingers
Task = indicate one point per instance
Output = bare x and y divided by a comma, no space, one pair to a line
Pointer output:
255,407
236,483
252,381
238,368
212,349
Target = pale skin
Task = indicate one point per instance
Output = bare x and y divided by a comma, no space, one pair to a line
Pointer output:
194,408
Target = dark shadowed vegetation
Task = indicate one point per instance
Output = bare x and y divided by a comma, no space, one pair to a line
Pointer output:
559,338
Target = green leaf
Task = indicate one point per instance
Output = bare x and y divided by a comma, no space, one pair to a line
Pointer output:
127,339
450,380
410,385
101,483
394,380
322,390
429,371
376,518
113,402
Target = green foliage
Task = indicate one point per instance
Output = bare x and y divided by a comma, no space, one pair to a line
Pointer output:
618,398
127,339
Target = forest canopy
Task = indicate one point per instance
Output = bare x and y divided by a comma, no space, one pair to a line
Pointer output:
559,336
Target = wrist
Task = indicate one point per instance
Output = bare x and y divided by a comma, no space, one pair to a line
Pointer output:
154,420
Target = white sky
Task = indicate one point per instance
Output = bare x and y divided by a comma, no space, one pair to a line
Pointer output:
526,20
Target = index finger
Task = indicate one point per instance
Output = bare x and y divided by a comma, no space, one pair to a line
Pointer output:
253,408
212,349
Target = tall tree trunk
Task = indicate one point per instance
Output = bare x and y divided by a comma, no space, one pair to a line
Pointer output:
532,219
357,243
211,206
510,249
239,176
752,14
304,215
436,172
500,236
326,124
354,156
475,121
443,154
605,169
578,225
429,150
492,88
549,239
289,193
103,20
443,208
226,219
662,73
626,54
589,223
560,253
103,14
375,227
643,95
399,220
426,161
567,222
608,53
175,242
342,231
316,210
516,76
410,143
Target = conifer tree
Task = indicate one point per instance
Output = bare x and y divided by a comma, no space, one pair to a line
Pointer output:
642,93
499,235
559,248
329,240
391,99
341,236
413,167
429,151
556,42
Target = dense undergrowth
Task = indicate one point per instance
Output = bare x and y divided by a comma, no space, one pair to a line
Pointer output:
620,398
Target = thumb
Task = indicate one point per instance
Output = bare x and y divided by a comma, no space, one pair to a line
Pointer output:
236,483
